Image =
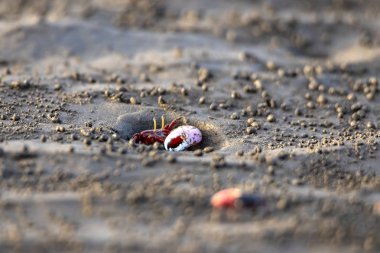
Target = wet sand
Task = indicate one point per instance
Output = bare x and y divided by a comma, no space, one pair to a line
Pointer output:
286,95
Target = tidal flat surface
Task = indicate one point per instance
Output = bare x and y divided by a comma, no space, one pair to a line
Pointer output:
286,94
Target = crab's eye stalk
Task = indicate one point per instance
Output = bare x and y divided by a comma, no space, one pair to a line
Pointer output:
182,138
162,122
154,125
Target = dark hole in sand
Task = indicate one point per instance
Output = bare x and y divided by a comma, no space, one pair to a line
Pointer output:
130,123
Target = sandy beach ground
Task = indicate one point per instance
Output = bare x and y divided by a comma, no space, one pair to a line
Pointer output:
286,94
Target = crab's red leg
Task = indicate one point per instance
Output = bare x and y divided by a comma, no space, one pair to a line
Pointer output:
160,139
171,125
136,138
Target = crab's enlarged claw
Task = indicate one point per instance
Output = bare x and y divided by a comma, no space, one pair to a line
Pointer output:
172,124
182,138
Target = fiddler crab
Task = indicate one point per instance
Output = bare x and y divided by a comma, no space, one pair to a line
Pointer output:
177,139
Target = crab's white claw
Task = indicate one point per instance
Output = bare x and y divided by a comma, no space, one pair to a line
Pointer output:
182,138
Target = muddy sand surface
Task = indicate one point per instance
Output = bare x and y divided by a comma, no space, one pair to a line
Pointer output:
286,94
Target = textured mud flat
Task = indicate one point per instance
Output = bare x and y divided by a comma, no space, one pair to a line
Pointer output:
286,94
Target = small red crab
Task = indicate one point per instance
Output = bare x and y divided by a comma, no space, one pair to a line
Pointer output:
149,137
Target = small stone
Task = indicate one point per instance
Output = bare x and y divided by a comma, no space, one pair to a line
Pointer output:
223,106
270,170
321,88
198,152
161,100
57,86
7,71
281,72
87,142
184,92
272,103
43,138
245,56
170,159
84,132
153,154
321,99
270,65
55,119
373,81
298,112
91,79
161,90
282,204
250,121
143,94
234,116
15,117
60,129
249,89
256,125
370,125
295,182
271,118
285,107
351,97
307,70
250,130
156,146
213,107
201,100
370,96
203,74
74,137
310,105
133,101
115,137
17,84
144,77
258,84
353,124
208,149
235,95
103,138
313,85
